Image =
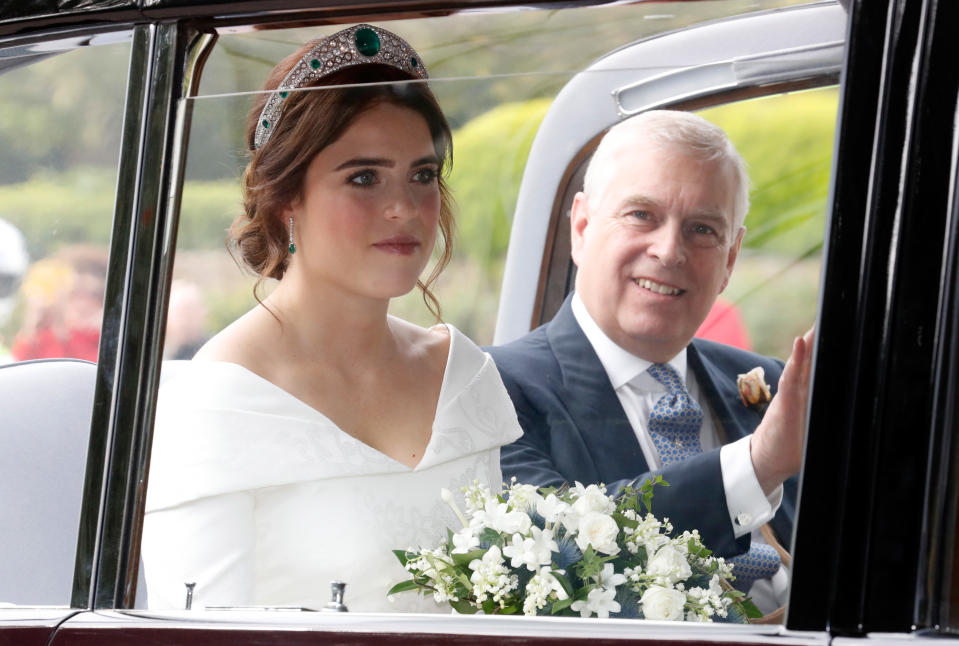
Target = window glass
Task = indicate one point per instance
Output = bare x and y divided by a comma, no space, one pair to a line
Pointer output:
495,75
59,146
787,142
61,114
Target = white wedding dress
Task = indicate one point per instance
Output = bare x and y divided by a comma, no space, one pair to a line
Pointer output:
260,500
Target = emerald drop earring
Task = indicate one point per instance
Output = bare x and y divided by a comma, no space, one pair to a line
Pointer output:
292,244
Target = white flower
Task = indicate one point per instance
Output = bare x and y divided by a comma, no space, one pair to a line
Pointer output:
599,601
648,533
540,588
600,531
668,565
464,540
714,586
586,500
493,556
663,603
491,577
591,499
633,574
724,569
531,552
551,508
445,589
523,497
496,515
657,567
428,563
609,579
476,497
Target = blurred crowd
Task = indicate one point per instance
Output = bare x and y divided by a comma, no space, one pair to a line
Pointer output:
52,307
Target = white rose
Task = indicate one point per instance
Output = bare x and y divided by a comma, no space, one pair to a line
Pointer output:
590,499
663,603
669,564
598,530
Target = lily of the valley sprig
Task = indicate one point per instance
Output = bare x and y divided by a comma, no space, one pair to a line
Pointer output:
574,551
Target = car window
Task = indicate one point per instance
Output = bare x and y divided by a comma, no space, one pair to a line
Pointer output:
61,115
496,75
787,141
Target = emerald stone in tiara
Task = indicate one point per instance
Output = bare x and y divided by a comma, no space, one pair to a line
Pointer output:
357,45
367,42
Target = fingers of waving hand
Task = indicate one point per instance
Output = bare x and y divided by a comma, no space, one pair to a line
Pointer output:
776,446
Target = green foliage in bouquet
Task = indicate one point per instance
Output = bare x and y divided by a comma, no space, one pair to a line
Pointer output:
574,551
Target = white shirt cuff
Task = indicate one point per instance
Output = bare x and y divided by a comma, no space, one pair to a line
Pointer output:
748,506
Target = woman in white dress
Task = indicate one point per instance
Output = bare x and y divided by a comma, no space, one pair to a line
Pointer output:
313,435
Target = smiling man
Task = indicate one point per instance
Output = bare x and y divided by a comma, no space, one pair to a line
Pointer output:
615,388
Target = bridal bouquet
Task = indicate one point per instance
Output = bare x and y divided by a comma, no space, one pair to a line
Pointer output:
574,551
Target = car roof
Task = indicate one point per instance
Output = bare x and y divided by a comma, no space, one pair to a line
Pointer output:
26,16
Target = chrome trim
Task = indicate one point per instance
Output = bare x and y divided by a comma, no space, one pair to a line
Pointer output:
197,50
114,321
164,60
742,72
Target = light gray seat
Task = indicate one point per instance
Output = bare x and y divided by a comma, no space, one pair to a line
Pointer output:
45,410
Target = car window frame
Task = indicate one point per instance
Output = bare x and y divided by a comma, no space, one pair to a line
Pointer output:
171,57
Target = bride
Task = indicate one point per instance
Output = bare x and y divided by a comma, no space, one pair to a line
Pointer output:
312,436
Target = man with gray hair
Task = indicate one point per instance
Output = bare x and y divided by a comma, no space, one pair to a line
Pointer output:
615,388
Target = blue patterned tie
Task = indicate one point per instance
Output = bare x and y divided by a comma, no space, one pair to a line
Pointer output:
676,418
674,426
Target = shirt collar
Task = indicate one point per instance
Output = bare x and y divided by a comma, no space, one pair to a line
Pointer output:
621,366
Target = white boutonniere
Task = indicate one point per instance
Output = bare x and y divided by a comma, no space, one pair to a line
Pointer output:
753,389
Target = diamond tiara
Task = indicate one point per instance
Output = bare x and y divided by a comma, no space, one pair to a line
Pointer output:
357,45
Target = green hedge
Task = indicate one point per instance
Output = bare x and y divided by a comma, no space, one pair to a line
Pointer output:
787,142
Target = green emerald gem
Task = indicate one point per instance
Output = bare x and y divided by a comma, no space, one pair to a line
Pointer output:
266,124
283,95
292,248
415,63
315,63
367,42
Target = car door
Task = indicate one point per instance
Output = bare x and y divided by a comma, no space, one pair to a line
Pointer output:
62,106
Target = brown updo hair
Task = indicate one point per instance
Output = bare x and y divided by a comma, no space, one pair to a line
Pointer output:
311,121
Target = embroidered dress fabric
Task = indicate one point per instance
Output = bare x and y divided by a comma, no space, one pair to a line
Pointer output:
262,500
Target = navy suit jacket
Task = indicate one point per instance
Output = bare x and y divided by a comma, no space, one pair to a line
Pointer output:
575,428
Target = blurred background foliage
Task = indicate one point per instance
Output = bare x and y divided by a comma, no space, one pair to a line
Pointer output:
787,141
495,74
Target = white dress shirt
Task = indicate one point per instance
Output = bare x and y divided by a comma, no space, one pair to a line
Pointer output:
749,508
